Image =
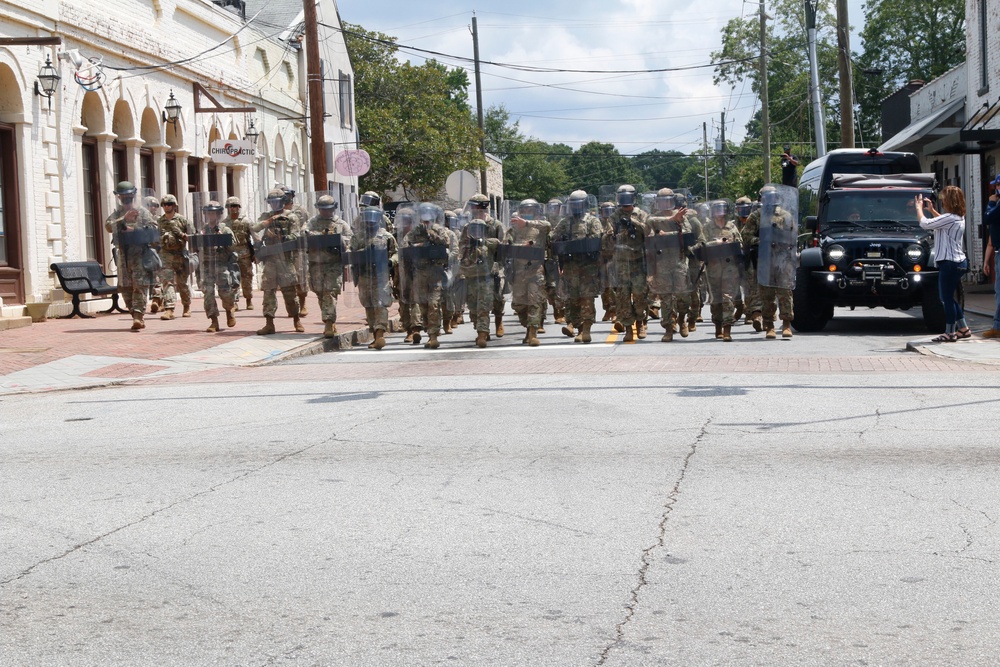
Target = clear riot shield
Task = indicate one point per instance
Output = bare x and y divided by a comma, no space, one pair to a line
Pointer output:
606,192
627,262
522,255
137,240
777,257
150,202
404,222
280,255
326,238
370,259
646,201
722,254
425,253
210,250
456,221
667,252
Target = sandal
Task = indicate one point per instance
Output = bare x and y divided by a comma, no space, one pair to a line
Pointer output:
963,333
945,338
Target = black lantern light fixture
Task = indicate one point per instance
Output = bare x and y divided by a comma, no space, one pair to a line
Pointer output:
47,81
251,133
172,110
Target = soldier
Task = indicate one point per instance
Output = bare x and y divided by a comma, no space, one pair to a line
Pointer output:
327,238
373,254
214,243
278,256
409,311
243,246
668,248
774,228
135,236
748,301
449,306
695,269
553,213
627,241
426,247
300,216
605,212
524,249
478,208
576,241
152,204
723,258
174,232
477,255
455,220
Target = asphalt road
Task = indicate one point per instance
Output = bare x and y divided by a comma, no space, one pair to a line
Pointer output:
694,503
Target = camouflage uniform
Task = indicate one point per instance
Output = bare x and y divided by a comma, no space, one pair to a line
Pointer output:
628,242
326,268
670,277
176,271
723,277
694,271
217,264
771,299
528,296
580,275
243,247
133,280
429,275
301,218
279,270
450,307
376,297
476,259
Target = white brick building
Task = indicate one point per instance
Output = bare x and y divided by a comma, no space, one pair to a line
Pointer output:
58,166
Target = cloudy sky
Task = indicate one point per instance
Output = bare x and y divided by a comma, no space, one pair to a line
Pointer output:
636,112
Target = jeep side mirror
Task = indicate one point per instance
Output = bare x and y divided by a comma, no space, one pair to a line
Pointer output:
811,223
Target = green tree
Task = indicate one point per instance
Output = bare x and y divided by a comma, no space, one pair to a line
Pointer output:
596,164
532,172
905,40
661,169
411,119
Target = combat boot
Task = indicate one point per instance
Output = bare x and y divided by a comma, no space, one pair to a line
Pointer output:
640,330
668,336
481,339
297,323
618,326
303,311
756,319
249,303
533,337
168,314
330,330
727,333
607,315
718,331
568,331
137,322
447,326
629,335
522,317
409,335
187,310
541,330
499,323
684,327
585,332
268,327
738,314
654,312
560,315
432,342
155,305
769,329
786,328
415,336
692,321
379,341
214,326
230,319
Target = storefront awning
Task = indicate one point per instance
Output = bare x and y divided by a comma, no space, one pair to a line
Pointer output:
972,138
912,134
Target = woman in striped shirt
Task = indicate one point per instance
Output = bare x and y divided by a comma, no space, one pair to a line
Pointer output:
949,243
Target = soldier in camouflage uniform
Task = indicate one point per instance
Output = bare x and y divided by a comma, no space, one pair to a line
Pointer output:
426,247
174,232
749,299
526,245
450,307
670,245
132,230
694,265
723,275
373,252
405,275
326,267
300,216
152,204
772,299
577,244
278,261
553,213
243,246
476,257
217,266
627,241
605,212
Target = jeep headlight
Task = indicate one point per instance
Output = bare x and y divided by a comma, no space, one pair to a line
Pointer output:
914,253
836,253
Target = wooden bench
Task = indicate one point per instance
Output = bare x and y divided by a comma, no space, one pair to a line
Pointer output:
78,278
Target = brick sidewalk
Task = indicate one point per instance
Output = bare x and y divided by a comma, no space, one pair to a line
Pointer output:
110,335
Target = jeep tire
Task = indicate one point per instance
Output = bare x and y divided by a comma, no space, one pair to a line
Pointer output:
812,311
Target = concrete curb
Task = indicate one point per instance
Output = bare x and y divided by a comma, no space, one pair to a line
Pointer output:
342,341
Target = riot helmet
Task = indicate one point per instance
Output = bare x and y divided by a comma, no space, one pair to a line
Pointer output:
212,211
126,192
370,199
607,209
289,194
372,217
577,203
769,195
744,207
430,213
719,208
152,204
326,205
553,208
665,201
625,195
276,200
529,209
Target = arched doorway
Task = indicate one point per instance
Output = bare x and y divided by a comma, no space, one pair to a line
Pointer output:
11,260
92,118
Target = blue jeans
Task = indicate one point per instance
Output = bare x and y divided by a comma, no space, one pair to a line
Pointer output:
949,275
996,290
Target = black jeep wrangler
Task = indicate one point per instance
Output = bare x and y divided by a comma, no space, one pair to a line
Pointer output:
866,248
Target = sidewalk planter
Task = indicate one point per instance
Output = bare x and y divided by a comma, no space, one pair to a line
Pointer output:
37,311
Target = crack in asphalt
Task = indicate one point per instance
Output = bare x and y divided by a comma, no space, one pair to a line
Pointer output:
647,554
212,489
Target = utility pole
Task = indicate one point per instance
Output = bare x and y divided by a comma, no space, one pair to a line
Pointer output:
765,117
846,83
722,149
819,122
314,75
479,102
704,132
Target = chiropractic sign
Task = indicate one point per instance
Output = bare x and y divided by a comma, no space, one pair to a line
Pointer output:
233,151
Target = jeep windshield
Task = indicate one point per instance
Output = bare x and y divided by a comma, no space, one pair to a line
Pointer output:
870,209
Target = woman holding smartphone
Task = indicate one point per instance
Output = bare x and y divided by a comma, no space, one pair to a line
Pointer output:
949,241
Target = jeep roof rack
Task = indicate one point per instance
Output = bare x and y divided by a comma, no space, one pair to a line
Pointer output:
879,181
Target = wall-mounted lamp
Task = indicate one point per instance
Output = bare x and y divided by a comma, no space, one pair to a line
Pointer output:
172,111
251,133
48,81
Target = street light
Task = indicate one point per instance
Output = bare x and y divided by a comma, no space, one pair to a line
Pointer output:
172,110
48,81
251,133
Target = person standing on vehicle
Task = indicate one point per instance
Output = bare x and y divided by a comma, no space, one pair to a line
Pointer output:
789,167
949,242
